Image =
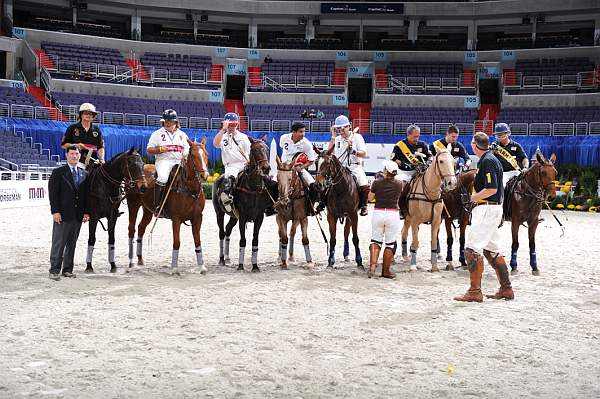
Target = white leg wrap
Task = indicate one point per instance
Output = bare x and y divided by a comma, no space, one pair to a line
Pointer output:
226,248
255,255
241,258
174,258
221,254
307,253
90,253
130,250
199,257
139,246
111,253
282,253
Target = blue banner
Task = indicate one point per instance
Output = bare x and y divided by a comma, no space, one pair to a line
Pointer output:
235,69
221,52
215,96
379,56
470,56
340,99
341,55
253,54
508,55
471,102
360,70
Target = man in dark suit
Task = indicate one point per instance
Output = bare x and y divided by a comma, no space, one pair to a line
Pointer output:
68,192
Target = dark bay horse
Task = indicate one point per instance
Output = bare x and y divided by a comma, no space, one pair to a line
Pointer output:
109,183
456,207
291,206
523,201
184,202
251,197
336,183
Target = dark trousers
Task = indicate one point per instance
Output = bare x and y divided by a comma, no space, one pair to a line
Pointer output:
64,240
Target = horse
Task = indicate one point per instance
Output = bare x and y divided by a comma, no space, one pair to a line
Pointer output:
184,202
251,197
291,205
524,198
124,172
425,204
456,207
335,182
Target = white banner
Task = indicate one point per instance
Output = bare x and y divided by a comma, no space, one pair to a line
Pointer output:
21,193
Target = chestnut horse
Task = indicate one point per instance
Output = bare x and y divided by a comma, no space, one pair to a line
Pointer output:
523,201
184,202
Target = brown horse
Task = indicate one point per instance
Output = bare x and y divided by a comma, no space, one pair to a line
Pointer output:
524,198
425,205
456,207
184,202
336,183
292,205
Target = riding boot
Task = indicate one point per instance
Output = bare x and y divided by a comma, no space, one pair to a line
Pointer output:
322,204
158,191
499,265
364,198
271,187
312,196
474,294
374,250
388,258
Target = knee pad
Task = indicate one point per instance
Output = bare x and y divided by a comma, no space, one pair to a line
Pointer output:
392,246
471,257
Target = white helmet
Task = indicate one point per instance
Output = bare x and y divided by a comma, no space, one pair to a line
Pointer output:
87,107
390,166
341,121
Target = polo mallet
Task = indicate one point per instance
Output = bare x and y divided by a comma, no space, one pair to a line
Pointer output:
562,228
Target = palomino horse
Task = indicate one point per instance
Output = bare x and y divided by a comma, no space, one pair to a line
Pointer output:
524,198
124,172
425,205
456,207
251,197
184,202
336,183
292,205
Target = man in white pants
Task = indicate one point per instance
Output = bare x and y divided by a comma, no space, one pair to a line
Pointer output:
385,221
292,146
410,153
483,236
235,150
169,145
510,153
349,147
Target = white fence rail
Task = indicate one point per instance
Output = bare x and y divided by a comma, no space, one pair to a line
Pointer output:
581,80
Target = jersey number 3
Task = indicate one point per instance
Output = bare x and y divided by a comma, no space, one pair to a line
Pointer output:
225,142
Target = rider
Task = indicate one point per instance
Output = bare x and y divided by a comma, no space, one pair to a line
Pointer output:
510,153
169,145
484,236
458,150
295,144
85,135
410,153
349,147
235,152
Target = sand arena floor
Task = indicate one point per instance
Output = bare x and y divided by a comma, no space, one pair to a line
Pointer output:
297,333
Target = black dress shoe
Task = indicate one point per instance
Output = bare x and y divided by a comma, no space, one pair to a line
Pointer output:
54,276
69,275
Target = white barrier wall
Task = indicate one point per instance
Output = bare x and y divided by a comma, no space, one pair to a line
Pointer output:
23,193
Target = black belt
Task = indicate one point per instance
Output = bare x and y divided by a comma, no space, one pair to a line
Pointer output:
488,203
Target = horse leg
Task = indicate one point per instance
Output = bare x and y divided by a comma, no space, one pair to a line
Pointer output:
256,232
133,212
414,245
112,222
283,240
436,220
347,227
405,227
463,228
242,227
228,229
515,245
221,224
355,240
196,224
449,243
305,244
332,231
293,229
146,219
532,255
176,243
91,242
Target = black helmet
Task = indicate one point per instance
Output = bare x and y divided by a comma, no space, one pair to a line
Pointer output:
169,115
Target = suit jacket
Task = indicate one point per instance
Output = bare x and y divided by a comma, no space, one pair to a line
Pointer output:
65,197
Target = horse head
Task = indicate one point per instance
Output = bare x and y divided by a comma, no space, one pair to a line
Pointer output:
443,165
197,160
545,173
259,156
132,170
285,176
328,167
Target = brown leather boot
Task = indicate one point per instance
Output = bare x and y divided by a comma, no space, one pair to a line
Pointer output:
388,258
474,293
374,250
505,291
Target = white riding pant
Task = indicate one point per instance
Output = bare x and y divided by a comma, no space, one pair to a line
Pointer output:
359,174
307,177
405,175
484,232
506,176
233,169
385,226
163,169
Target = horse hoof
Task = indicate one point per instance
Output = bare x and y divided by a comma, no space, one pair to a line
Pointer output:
113,268
440,257
221,262
255,269
310,265
227,261
434,269
240,268
140,263
283,267
291,259
412,268
360,268
514,272
175,272
89,270
370,274
535,272
449,267
346,259
405,258
203,271
329,268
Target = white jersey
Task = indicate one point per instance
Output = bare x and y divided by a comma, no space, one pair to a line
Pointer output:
176,144
230,151
289,148
341,147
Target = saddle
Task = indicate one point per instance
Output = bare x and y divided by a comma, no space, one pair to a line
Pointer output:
509,189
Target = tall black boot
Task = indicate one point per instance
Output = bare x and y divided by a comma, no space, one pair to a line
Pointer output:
363,200
158,192
271,187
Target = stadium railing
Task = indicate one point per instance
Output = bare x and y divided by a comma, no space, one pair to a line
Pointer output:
385,83
261,80
582,80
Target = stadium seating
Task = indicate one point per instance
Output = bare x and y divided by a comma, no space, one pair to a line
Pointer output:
295,76
14,151
264,117
550,115
424,78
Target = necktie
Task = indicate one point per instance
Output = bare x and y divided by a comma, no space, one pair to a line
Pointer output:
76,177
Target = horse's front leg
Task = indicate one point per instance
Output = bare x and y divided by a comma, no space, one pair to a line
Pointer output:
449,243
242,226
405,227
256,232
414,245
346,252
112,222
355,242
283,240
515,244
532,255
305,242
196,225
146,219
464,221
176,243
93,223
292,235
436,221
332,231
228,229
133,209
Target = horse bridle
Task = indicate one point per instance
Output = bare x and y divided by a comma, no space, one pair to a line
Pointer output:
259,162
129,182
330,181
197,173
293,181
439,173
